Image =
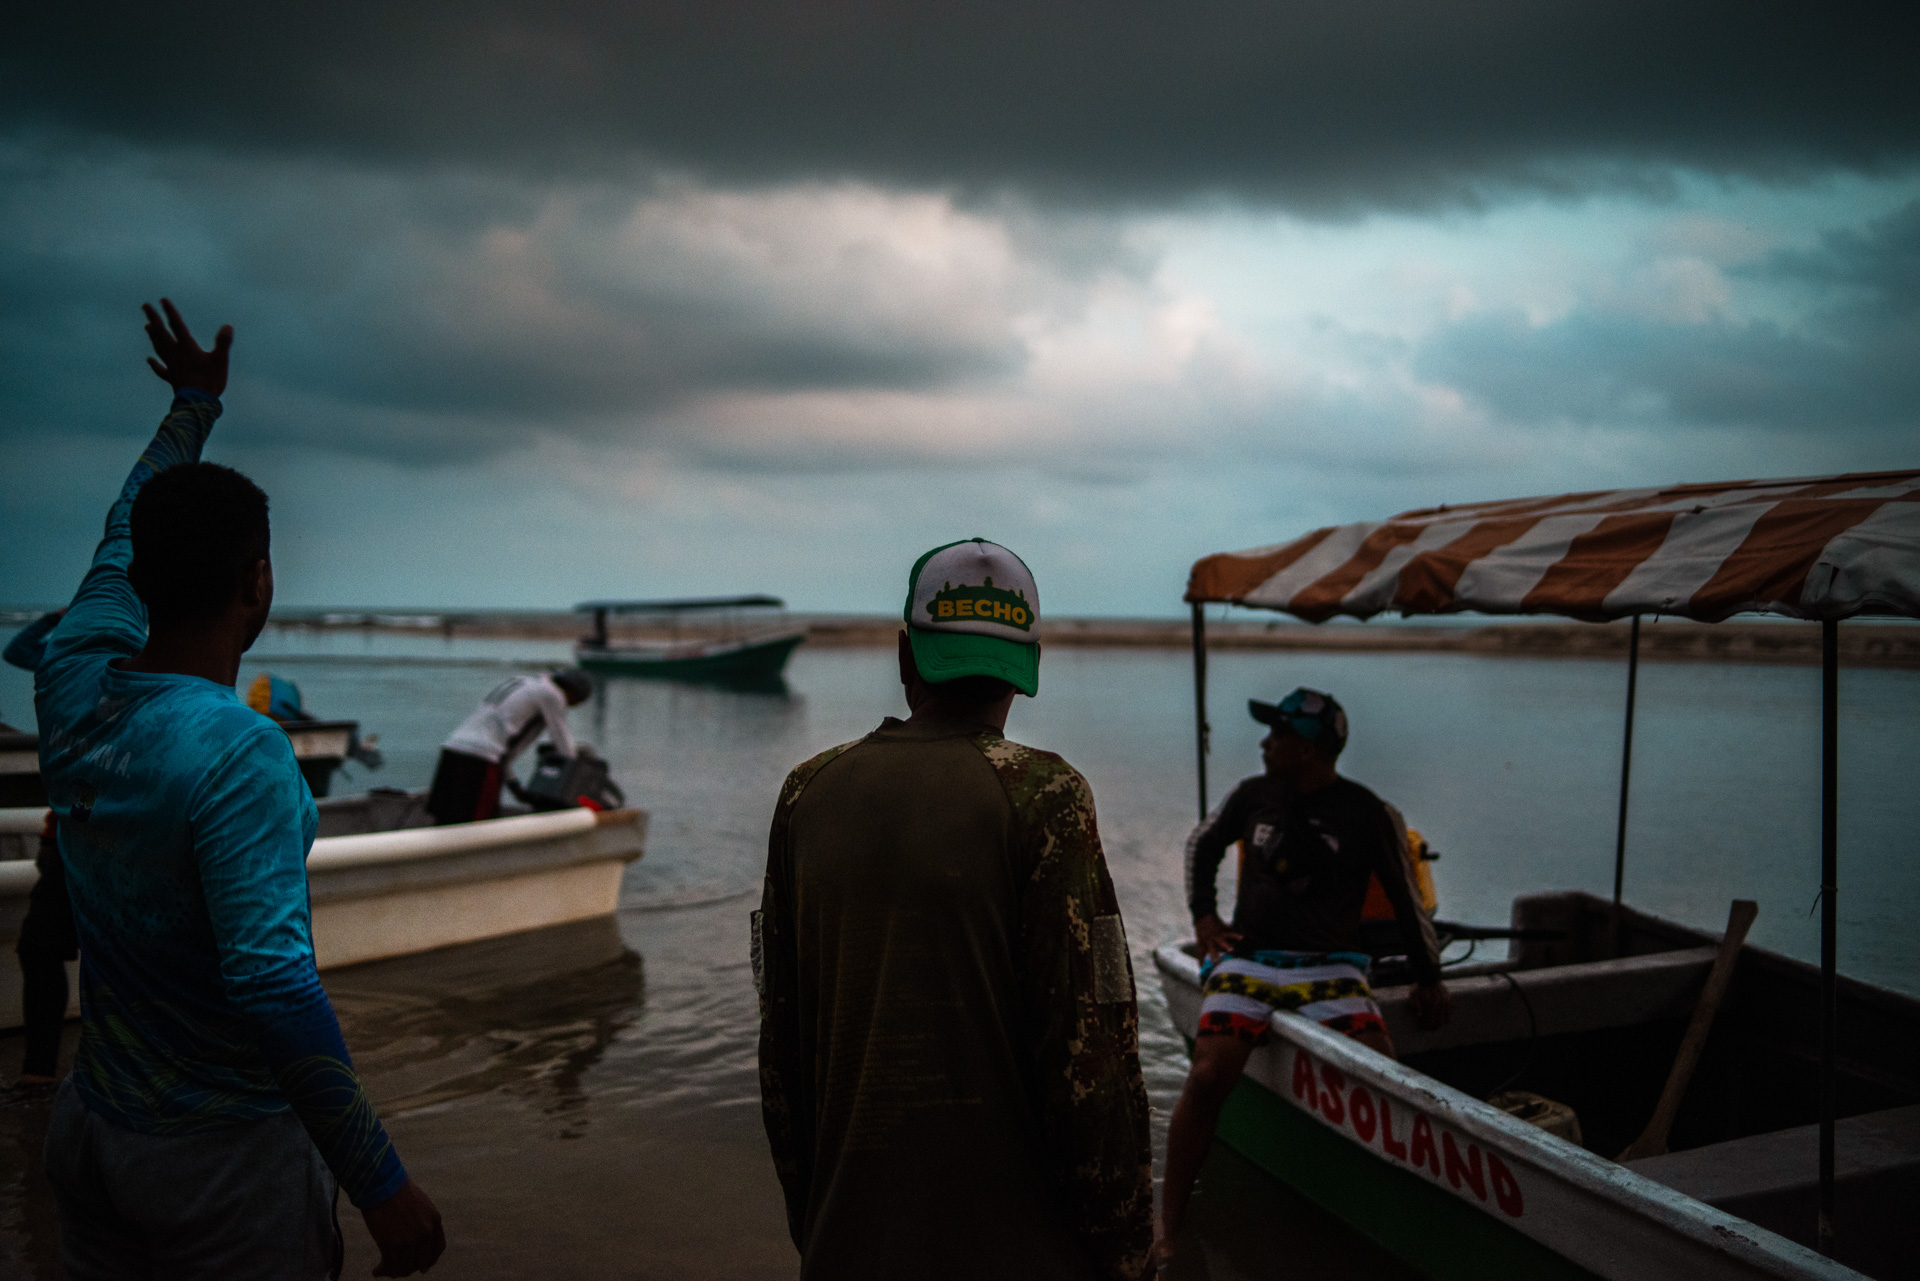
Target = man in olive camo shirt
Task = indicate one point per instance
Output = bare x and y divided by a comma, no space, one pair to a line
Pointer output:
949,1047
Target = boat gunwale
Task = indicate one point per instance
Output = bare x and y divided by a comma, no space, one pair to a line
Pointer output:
1549,1156
22,820
370,849
414,844
1878,996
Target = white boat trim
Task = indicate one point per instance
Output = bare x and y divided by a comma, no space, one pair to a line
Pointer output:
1591,1211
22,820
408,844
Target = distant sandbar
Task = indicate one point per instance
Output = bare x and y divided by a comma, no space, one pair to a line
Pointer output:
1862,644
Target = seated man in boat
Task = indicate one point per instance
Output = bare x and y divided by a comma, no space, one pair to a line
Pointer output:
949,1045
475,758
212,1110
1313,840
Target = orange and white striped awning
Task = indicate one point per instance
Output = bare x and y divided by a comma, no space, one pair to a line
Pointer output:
1816,547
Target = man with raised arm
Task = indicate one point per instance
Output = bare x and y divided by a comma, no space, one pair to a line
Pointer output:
212,1106
949,1046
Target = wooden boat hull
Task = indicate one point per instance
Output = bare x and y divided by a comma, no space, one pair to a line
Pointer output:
756,662
394,893
1458,1188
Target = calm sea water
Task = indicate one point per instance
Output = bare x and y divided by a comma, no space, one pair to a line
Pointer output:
584,1102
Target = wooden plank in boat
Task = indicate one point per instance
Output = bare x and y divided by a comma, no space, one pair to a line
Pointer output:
1564,998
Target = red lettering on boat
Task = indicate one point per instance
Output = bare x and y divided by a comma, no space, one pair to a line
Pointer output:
1330,1105
1475,1176
1303,1080
1506,1188
1393,1147
1424,1153
1360,1107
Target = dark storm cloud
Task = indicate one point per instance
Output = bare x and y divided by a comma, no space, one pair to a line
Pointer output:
1852,363
449,315
1317,105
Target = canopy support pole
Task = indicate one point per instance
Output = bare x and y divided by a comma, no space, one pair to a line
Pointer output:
1626,769
1829,907
1200,698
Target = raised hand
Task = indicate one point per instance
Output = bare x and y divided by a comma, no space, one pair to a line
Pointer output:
179,360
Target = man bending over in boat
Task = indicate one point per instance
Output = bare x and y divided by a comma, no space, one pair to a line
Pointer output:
1312,839
475,758
212,1105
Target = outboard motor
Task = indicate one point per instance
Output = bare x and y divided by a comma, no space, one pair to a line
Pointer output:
563,782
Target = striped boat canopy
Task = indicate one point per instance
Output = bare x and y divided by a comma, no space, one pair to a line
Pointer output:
1817,547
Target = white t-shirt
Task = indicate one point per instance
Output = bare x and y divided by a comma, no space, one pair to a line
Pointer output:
511,717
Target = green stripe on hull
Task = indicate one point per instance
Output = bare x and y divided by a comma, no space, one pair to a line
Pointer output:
1411,1218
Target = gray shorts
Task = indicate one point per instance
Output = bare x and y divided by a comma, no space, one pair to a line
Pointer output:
244,1202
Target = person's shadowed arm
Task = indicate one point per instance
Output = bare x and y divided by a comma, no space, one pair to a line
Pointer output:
1081,1023
1206,846
786,1079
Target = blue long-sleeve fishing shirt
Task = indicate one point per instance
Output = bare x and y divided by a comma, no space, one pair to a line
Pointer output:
185,827
29,645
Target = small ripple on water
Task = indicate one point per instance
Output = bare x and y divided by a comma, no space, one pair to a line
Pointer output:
681,902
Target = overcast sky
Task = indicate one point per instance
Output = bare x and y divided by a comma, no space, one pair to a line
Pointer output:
537,302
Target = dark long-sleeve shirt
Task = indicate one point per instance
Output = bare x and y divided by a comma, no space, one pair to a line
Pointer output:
1308,861
949,1046
184,827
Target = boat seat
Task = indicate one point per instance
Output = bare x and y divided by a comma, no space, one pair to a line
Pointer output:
1774,1181
1587,997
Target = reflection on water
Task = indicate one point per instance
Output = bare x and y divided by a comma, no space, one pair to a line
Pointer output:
578,1113
527,1016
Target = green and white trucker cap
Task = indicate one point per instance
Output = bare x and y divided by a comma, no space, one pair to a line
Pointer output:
973,610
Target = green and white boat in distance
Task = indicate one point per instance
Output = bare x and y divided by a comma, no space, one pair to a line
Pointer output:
732,651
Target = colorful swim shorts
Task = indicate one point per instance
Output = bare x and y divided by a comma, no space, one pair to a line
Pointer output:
1239,994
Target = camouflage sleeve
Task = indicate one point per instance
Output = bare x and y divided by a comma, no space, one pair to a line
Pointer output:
1082,1027
786,1084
